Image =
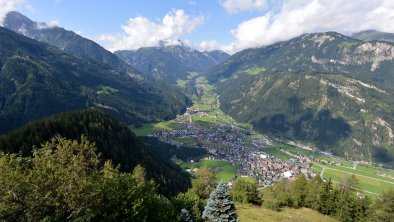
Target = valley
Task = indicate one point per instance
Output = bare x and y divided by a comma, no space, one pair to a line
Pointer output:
234,149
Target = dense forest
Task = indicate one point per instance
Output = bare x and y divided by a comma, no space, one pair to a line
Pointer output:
114,141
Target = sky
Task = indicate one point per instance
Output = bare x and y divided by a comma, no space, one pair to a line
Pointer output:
228,25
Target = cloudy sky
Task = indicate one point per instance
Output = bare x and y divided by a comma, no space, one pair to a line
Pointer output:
230,25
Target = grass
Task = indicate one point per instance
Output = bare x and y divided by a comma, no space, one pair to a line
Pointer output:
276,152
106,90
348,44
247,213
150,128
227,170
188,140
368,181
254,71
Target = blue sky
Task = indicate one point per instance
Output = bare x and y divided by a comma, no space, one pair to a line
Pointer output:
230,25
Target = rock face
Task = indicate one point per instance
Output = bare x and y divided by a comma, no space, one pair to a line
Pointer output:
326,89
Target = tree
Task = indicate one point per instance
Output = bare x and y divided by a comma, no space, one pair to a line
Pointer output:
245,192
186,216
278,195
65,181
204,183
299,191
220,206
314,188
385,206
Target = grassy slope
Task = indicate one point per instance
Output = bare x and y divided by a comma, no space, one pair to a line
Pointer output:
248,213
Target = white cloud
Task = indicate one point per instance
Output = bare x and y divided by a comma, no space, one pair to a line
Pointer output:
296,17
142,32
8,5
50,24
236,6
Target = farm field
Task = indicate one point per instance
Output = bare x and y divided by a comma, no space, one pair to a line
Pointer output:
370,183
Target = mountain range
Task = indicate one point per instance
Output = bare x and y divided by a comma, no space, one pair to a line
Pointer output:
373,35
68,41
171,63
325,89
38,80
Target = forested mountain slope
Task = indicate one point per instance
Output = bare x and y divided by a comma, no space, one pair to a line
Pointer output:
38,80
113,139
67,41
325,89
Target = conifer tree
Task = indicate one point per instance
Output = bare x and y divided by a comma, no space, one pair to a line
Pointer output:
220,207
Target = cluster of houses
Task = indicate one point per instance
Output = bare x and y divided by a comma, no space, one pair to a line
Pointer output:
229,143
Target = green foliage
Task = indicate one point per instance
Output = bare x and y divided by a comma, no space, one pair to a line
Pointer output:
114,141
245,191
385,207
38,80
342,203
299,191
277,196
196,197
220,206
64,180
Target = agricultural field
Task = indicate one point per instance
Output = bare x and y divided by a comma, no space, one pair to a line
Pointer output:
248,213
150,128
369,182
225,170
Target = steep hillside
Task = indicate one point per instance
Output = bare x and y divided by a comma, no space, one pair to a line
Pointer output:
171,63
325,89
67,41
113,139
37,80
372,35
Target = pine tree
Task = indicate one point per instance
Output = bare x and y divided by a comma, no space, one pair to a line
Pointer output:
220,207
186,216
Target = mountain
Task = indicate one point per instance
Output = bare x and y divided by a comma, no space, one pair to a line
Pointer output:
373,35
171,63
67,41
38,80
325,89
113,139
